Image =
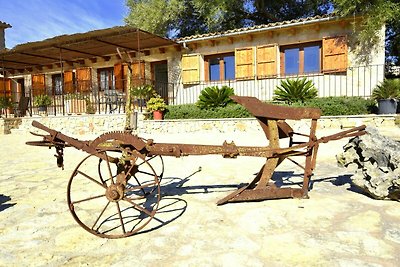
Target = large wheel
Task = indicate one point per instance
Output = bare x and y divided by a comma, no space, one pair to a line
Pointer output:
118,198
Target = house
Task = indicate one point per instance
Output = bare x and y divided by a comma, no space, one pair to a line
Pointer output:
251,60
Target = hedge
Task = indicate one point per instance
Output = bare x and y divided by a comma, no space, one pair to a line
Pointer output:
330,106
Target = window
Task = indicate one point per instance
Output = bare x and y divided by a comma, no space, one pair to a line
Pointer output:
220,67
301,59
106,79
57,84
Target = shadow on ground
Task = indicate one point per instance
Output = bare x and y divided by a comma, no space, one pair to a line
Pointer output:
3,204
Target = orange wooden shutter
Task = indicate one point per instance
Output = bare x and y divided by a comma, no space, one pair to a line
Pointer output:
83,79
68,82
5,87
266,61
190,68
38,84
244,61
119,77
334,53
138,73
125,71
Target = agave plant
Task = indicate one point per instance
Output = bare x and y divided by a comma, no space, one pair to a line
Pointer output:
211,97
388,89
295,90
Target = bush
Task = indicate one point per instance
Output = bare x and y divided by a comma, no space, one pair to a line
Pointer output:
295,90
336,106
42,101
212,97
191,111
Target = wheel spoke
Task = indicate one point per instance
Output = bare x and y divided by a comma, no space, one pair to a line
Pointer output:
91,178
87,199
120,217
140,187
109,168
101,213
148,173
139,208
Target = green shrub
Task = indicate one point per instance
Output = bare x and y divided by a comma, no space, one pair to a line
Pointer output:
191,111
388,89
156,103
336,106
42,101
295,90
212,97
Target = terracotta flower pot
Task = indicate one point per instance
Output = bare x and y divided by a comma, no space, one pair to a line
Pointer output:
157,115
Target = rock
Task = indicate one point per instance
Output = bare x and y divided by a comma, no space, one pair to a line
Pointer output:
378,164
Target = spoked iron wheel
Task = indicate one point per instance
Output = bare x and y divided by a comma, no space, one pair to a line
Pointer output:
118,198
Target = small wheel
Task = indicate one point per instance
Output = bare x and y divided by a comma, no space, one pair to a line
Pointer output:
119,203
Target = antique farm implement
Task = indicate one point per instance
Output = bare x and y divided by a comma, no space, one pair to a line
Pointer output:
115,191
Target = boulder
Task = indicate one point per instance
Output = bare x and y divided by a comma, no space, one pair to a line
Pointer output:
376,161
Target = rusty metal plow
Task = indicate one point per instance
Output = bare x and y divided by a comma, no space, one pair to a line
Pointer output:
115,191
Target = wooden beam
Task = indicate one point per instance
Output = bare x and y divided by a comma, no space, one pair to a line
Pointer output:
116,45
211,42
270,34
343,23
292,31
178,48
192,46
230,40
77,51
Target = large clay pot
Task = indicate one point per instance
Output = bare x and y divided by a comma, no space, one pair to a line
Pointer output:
157,115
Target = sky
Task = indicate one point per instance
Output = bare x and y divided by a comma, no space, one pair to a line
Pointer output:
36,20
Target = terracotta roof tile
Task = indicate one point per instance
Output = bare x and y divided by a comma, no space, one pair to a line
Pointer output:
249,29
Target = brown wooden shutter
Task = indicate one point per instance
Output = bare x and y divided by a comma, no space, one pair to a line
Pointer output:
334,53
5,87
119,77
84,79
190,68
244,61
38,84
266,61
138,73
125,71
68,82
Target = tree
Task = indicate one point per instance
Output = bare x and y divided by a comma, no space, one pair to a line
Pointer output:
178,18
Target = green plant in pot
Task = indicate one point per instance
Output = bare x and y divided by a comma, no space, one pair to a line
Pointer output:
157,105
387,94
42,102
5,103
141,94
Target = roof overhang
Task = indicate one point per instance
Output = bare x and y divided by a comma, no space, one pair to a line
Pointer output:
78,47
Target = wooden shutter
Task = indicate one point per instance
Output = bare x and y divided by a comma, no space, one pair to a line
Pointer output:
38,84
84,79
266,61
138,73
334,53
119,77
68,82
5,87
244,63
190,68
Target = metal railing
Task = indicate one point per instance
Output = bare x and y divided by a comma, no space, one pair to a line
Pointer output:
354,81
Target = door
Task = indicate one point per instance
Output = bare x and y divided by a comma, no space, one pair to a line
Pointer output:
160,71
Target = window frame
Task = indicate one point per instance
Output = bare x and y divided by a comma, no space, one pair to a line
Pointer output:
221,57
301,47
110,79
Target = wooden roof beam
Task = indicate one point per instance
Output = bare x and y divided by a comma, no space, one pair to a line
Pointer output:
116,45
78,51
16,62
47,57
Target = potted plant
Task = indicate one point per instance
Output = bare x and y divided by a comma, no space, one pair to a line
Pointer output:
140,94
386,94
5,103
157,106
42,102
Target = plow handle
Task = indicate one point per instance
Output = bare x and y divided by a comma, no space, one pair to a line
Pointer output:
356,131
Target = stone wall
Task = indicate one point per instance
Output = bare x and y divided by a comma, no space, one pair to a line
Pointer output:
77,125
